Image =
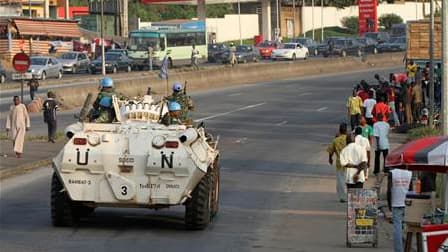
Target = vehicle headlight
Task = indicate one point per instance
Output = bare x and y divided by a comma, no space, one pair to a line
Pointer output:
158,141
93,139
68,65
108,65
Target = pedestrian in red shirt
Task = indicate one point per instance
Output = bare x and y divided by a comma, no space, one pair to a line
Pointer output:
381,108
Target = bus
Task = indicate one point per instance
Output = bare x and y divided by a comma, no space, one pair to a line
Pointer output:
171,41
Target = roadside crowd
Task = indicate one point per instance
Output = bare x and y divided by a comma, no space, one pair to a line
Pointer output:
373,110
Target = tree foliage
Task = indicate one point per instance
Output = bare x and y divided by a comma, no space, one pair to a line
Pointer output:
350,23
218,10
387,20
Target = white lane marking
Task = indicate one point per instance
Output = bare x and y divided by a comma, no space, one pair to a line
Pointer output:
303,94
281,123
236,94
230,112
322,109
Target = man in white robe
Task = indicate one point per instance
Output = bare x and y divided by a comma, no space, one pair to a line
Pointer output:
17,123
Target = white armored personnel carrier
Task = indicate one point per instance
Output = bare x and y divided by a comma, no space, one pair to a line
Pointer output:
136,162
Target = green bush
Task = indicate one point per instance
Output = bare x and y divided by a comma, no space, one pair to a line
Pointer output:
350,23
387,20
420,132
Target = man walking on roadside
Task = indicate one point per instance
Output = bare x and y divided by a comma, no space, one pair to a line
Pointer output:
17,122
365,144
354,108
381,134
194,57
417,102
354,159
34,85
368,105
49,107
398,183
335,148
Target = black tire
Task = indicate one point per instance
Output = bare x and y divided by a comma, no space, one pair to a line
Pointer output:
44,76
62,213
170,63
198,208
92,72
306,56
59,75
216,188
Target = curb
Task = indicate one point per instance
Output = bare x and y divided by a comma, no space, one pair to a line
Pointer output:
22,169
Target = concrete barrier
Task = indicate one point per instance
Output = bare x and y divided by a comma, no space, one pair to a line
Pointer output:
228,76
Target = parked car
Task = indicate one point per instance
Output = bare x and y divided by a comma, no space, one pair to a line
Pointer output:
114,62
43,67
125,52
397,44
290,51
308,43
379,37
2,75
343,47
215,51
244,54
74,62
265,48
369,45
323,46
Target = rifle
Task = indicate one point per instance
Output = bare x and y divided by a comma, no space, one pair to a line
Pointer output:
185,87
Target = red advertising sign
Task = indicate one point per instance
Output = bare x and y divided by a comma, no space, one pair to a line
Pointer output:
21,62
367,19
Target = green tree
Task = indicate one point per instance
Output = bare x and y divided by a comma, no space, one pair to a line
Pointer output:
218,10
387,20
350,23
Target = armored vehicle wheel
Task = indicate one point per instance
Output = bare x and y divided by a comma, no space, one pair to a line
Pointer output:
216,186
62,213
198,208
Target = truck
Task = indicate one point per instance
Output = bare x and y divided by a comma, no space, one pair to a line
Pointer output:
418,41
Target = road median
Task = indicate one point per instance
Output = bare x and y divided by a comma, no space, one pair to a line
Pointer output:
219,77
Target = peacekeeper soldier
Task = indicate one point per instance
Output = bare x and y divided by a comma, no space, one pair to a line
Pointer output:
181,98
103,111
173,115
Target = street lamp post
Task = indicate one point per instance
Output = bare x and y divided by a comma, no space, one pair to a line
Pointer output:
239,21
444,109
277,27
431,67
322,20
103,61
294,18
303,8
312,16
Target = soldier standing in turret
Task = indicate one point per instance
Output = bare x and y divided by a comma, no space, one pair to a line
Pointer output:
103,108
181,98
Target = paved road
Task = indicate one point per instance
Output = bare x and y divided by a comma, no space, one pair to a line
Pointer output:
277,190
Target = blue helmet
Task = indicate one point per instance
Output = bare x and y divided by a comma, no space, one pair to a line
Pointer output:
106,82
177,87
174,106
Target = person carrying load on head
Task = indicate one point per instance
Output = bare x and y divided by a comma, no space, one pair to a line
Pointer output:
179,95
103,107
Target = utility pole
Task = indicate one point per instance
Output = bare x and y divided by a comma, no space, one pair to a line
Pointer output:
444,110
303,20
29,8
66,9
277,27
431,67
312,16
239,21
322,20
103,60
294,18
